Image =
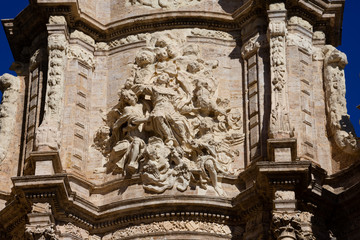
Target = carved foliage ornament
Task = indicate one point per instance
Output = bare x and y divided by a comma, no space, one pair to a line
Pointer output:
169,126
295,225
280,123
47,135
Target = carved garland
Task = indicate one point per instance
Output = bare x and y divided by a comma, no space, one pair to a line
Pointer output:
279,123
48,134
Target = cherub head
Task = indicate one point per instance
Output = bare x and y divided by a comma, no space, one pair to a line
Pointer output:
144,58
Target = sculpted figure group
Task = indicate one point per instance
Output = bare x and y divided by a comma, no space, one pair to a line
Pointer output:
169,126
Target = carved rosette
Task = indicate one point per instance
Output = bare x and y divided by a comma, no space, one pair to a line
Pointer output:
47,135
279,122
10,87
338,119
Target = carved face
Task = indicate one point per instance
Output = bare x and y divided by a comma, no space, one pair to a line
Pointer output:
128,97
161,54
144,58
163,78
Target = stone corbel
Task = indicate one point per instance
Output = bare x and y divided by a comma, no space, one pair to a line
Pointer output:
48,133
341,128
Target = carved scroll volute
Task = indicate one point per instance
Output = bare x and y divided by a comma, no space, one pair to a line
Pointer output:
338,120
279,122
48,134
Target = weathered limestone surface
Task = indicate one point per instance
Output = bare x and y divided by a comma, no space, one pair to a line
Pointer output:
177,119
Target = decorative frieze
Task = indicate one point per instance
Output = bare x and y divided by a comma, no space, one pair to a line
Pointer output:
172,226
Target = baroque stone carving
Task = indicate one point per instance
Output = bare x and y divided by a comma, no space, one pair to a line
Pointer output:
70,230
301,22
338,119
292,225
129,39
211,34
10,87
305,43
40,233
82,55
169,4
253,44
279,122
169,125
82,36
171,226
48,133
41,226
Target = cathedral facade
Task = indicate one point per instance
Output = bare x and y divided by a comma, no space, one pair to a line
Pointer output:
177,119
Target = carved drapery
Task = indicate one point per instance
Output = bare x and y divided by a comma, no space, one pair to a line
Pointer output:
279,120
48,134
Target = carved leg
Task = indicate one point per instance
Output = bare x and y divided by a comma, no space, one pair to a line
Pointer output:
209,166
134,155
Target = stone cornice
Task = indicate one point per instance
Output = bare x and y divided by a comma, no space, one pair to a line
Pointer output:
324,15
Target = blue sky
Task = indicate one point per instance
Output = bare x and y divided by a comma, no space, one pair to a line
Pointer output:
350,45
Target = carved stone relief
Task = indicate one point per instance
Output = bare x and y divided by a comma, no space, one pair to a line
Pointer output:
171,226
279,122
10,87
301,22
292,225
338,119
169,124
47,135
41,226
167,4
70,230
